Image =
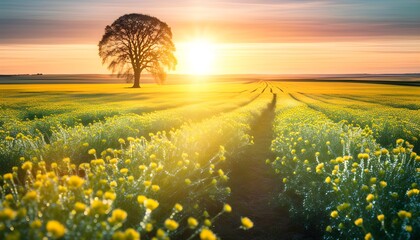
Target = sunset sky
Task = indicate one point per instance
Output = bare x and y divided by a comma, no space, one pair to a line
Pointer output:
248,36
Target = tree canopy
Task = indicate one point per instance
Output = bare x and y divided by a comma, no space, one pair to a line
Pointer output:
135,43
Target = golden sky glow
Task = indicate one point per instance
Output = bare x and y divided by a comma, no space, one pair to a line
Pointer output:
220,37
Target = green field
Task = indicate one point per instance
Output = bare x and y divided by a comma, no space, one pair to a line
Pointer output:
229,159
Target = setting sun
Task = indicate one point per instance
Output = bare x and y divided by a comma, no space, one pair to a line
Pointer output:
200,57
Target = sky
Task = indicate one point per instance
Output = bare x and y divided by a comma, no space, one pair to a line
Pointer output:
248,36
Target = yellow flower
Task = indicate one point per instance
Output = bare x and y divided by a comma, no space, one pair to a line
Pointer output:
373,180
381,217
404,214
147,183
124,171
187,181
383,184
358,222
384,151
118,235
227,208
171,225
113,184
160,233
149,227
192,222
92,151
408,228
131,234
122,141
99,207
368,236
207,234
207,222
343,206
151,204
247,223
370,197
7,214
118,216
141,199
110,196
75,181
153,165
36,224
413,192
27,166
9,197
8,176
79,207
55,229
155,188
30,196
334,214
178,207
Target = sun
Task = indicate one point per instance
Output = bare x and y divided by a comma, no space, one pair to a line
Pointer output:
200,57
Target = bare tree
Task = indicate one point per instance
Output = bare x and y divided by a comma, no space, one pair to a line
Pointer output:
135,43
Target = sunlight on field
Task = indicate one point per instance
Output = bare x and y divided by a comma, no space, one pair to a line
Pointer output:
161,158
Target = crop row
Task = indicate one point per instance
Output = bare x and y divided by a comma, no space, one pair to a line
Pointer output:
49,141
387,123
338,178
171,185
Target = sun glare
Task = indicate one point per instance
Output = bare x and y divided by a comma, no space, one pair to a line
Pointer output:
200,57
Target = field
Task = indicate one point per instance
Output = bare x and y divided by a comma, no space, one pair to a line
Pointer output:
243,159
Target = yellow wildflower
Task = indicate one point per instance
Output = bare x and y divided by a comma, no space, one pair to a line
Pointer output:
131,234
178,207
141,199
207,234
358,222
27,166
192,222
404,214
79,207
118,216
55,229
151,204
171,224
75,181
247,223
8,176
227,208
7,214
370,197
155,188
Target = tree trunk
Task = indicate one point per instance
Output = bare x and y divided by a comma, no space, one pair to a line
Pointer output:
136,80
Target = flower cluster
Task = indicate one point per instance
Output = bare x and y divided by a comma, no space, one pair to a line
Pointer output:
168,184
359,188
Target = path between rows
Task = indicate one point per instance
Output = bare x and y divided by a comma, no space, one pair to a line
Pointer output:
254,188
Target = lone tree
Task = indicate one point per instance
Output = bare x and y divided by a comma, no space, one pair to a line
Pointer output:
135,43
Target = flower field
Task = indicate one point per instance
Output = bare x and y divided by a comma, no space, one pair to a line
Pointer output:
156,164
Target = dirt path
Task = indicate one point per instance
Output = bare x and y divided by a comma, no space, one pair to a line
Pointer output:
254,186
